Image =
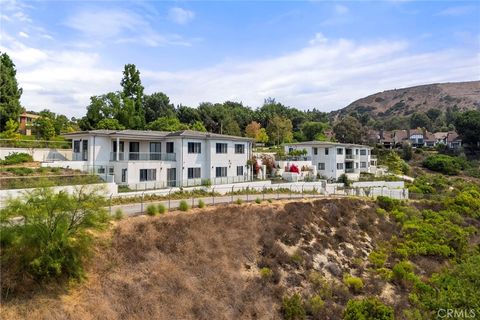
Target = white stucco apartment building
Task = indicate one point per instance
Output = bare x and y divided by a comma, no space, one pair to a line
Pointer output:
163,159
332,159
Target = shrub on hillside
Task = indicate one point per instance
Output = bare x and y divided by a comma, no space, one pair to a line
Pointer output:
367,309
118,214
315,305
54,238
387,203
161,208
444,164
16,158
377,258
152,210
201,203
292,307
258,200
183,206
353,283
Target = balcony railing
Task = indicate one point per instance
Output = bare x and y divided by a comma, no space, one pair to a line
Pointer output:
79,156
351,170
293,158
142,156
351,156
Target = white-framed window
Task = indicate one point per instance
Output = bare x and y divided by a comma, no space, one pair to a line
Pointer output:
339,166
315,151
239,148
326,151
239,170
220,172
339,150
321,166
148,174
76,146
193,173
124,175
363,164
363,152
221,147
194,147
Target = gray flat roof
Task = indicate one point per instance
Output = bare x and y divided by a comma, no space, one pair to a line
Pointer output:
327,143
155,134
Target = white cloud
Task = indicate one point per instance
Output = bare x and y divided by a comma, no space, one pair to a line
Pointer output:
341,9
180,16
456,11
318,39
23,34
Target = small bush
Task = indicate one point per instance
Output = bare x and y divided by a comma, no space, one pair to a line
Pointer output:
402,271
367,309
161,208
258,200
292,307
266,273
269,200
16,158
152,210
297,257
201,203
183,206
387,203
377,258
353,283
315,305
239,201
118,214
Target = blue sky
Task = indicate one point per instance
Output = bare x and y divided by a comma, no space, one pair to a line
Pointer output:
305,54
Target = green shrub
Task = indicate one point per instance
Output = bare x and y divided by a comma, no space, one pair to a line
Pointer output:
367,309
385,273
353,283
239,201
258,200
467,202
292,307
297,257
443,164
315,305
20,171
344,179
16,158
118,214
269,200
152,210
54,239
387,203
161,208
183,206
201,203
377,258
403,271
266,273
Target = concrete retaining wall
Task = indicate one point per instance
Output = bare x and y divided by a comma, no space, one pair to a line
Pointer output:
39,154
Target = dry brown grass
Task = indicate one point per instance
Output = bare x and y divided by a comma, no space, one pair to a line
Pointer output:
204,264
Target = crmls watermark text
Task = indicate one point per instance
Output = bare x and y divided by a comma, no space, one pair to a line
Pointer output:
456,313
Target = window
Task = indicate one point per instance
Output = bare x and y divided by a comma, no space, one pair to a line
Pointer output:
239,148
315,151
148,174
221,147
194,147
124,175
193,173
290,150
169,147
76,146
321,166
134,151
110,171
155,150
363,152
239,170
339,150
339,166
122,146
363,164
356,151
326,151
220,172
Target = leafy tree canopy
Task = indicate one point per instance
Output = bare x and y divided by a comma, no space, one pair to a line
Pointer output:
10,93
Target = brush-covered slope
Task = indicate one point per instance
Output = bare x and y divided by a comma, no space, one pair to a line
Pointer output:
405,101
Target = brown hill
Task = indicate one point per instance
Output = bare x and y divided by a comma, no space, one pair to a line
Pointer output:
403,102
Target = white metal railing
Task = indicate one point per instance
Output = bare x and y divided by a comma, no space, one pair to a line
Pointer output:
142,156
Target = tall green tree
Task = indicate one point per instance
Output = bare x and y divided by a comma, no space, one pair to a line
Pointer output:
420,120
188,114
349,130
10,93
133,90
279,130
44,128
313,130
158,105
166,124
468,127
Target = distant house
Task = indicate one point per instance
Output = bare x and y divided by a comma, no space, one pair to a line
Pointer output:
441,137
387,139
26,121
453,140
429,139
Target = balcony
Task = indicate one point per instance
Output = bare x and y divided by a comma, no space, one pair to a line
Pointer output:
351,157
293,158
142,156
351,170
